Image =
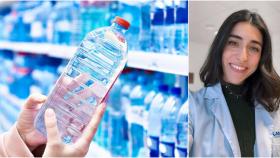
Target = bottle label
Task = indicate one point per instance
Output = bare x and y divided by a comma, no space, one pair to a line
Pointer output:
182,134
167,149
134,114
153,144
181,152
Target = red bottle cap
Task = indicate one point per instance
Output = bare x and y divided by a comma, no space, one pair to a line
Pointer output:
122,22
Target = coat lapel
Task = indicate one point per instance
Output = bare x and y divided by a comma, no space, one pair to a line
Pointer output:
220,110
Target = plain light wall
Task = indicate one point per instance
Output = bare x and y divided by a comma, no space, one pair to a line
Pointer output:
197,55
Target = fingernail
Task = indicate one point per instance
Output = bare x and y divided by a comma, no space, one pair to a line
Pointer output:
39,97
49,112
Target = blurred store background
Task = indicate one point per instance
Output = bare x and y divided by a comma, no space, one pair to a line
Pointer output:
148,102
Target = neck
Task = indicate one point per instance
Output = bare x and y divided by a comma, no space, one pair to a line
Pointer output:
233,89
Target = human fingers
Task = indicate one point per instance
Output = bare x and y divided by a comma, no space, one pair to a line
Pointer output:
34,100
89,132
51,127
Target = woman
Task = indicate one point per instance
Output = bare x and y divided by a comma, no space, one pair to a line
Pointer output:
236,113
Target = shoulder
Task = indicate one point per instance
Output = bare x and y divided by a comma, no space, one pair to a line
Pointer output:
210,92
196,100
199,94
200,100
275,114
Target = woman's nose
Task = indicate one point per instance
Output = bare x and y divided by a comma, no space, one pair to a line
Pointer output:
243,55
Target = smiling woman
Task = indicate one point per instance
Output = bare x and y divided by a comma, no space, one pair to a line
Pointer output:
242,53
239,104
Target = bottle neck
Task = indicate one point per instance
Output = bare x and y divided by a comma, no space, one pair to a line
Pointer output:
118,27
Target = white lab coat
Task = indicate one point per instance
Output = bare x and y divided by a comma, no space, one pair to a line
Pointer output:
212,131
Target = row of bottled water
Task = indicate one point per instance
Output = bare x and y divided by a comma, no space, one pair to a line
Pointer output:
32,73
87,79
144,119
156,26
22,74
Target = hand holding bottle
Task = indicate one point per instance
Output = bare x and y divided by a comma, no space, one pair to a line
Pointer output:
56,148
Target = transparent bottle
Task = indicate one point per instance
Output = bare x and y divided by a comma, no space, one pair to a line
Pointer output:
182,132
181,28
117,137
169,31
134,116
88,77
168,123
154,120
157,27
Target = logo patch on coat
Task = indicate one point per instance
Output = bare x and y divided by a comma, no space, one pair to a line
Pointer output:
276,133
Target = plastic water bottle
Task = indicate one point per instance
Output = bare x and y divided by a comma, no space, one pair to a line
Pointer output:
168,123
62,20
88,77
102,134
24,64
126,89
149,98
181,32
93,15
154,120
6,58
76,24
157,27
39,17
182,132
168,35
130,10
117,125
134,116
153,90
145,31
45,74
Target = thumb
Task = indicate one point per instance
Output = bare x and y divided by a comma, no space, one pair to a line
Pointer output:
33,100
51,127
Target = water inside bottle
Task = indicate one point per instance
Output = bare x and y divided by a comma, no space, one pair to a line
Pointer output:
87,79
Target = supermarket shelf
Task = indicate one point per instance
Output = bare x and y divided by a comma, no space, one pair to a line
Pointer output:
15,101
97,151
167,63
10,106
59,51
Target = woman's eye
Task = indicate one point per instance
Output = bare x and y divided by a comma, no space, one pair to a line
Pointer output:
233,43
254,49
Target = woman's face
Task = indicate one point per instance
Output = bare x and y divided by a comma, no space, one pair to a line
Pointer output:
242,53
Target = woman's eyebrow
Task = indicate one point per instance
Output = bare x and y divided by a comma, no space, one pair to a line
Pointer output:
239,37
257,42
235,36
